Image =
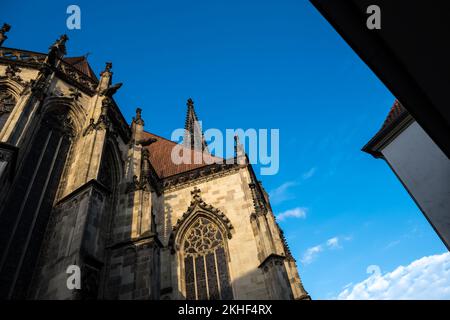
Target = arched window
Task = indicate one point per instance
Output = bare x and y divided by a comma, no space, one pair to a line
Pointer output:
26,211
205,262
7,103
108,169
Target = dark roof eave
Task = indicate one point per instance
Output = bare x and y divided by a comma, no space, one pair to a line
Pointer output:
210,165
386,134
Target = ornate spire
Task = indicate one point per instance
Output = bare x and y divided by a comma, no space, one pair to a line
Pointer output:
194,138
5,28
137,126
108,67
105,87
239,151
138,119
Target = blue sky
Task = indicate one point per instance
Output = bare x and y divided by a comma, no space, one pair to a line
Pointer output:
260,64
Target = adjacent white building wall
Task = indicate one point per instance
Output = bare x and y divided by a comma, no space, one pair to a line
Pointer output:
425,172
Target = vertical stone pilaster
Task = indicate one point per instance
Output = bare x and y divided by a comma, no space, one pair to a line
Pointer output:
279,277
73,236
276,277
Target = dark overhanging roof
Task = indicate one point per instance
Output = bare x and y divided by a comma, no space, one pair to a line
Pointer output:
410,54
397,120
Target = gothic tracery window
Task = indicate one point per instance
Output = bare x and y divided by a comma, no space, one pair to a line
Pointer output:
7,103
30,210
205,262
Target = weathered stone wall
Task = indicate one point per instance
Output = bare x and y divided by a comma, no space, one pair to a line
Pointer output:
230,194
133,262
119,234
64,236
74,237
132,272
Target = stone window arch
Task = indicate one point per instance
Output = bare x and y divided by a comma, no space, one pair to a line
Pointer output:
30,199
200,239
109,173
205,261
7,104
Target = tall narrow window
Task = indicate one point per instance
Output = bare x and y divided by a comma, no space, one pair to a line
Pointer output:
205,262
25,215
7,103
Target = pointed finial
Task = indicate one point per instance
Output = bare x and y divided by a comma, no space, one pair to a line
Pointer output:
137,127
196,193
107,70
239,150
62,39
108,66
57,50
194,138
138,119
5,28
105,86
60,44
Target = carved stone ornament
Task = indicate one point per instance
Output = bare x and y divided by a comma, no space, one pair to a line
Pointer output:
103,122
138,118
3,30
199,206
111,90
75,94
7,102
39,87
12,72
143,184
5,156
205,173
60,122
258,200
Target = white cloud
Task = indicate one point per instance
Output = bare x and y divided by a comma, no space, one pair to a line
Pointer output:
282,193
333,243
308,174
292,213
423,279
312,253
392,244
348,285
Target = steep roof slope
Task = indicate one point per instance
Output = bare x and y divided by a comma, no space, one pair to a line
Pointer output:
81,64
160,157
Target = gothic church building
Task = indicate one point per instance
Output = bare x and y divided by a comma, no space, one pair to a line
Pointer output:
81,186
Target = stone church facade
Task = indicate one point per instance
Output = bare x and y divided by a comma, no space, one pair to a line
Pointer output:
80,186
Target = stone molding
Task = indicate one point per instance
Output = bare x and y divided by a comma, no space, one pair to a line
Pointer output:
196,208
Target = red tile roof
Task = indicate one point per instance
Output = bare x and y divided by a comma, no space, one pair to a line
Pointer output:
396,111
160,157
82,65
